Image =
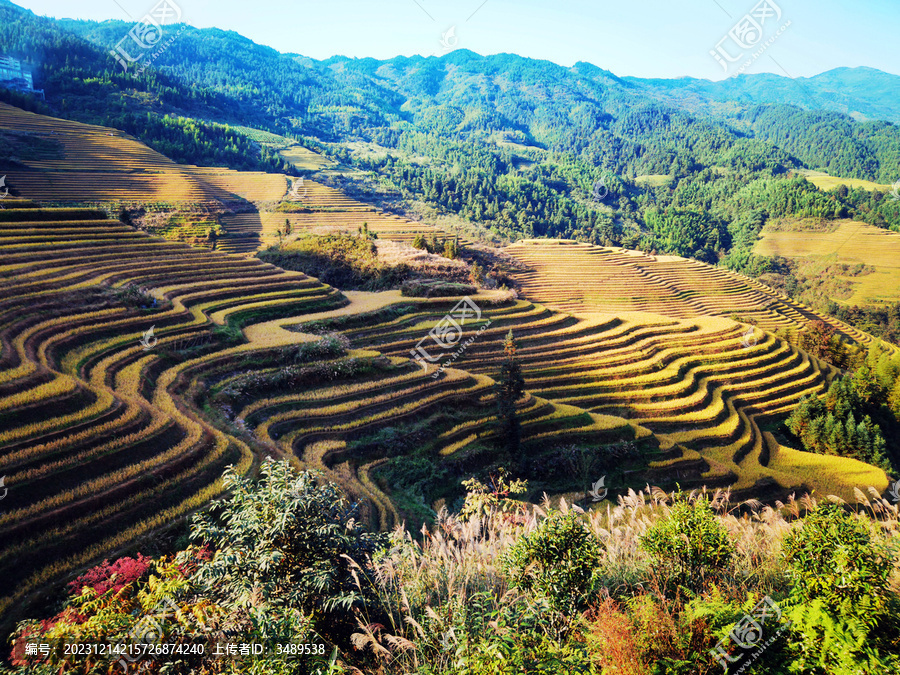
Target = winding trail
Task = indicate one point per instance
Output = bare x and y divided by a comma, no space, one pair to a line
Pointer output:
274,333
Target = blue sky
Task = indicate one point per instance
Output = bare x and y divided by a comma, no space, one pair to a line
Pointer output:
644,38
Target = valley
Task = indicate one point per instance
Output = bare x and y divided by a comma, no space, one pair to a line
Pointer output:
323,352
676,357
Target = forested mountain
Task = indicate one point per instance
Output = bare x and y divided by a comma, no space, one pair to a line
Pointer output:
522,146
862,93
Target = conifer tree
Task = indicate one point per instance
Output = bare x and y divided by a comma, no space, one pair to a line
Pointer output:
509,387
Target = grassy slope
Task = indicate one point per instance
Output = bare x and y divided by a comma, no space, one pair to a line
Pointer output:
95,361
825,182
851,243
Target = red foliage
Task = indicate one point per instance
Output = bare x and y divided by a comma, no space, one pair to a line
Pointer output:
198,555
114,576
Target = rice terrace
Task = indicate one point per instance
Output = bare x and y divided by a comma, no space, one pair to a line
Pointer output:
442,363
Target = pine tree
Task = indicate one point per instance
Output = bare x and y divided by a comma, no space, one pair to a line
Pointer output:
450,249
894,399
509,387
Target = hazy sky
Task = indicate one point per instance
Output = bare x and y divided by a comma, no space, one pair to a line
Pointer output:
645,38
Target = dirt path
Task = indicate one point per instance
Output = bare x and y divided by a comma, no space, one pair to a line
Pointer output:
273,333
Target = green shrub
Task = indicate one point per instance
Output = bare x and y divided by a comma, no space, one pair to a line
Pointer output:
842,607
834,556
293,542
340,260
434,288
689,546
556,562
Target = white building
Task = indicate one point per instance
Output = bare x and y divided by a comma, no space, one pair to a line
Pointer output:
14,76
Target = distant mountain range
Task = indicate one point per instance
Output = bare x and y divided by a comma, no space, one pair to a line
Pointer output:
862,93
517,145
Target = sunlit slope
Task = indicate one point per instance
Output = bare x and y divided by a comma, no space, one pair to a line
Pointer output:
313,208
582,279
98,441
63,161
851,243
698,384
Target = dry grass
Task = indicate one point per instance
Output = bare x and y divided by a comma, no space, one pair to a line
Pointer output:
654,180
825,182
305,160
97,164
850,243
430,585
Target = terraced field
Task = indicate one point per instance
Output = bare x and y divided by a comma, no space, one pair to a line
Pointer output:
694,383
75,163
314,208
300,157
851,243
825,182
305,159
81,163
98,441
582,279
116,348
134,369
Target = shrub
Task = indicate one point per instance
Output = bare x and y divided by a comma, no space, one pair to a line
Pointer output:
291,541
434,288
689,545
556,562
339,260
834,556
115,576
841,604
486,500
